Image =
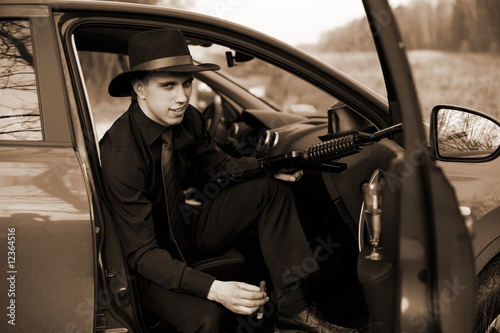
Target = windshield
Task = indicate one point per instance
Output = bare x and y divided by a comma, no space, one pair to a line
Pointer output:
278,88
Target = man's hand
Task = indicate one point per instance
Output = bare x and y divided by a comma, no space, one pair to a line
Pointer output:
239,297
289,178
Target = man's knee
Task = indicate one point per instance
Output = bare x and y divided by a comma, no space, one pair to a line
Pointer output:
269,186
208,320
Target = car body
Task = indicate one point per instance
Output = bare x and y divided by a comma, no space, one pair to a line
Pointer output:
65,271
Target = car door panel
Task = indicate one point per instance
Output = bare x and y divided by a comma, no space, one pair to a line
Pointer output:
46,223
428,234
45,216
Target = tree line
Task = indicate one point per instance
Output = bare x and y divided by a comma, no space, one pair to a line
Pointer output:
448,25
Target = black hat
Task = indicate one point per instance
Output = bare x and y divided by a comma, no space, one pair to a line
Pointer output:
161,50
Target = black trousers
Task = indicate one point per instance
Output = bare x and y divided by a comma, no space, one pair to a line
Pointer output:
265,205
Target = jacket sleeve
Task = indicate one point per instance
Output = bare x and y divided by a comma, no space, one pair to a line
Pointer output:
124,178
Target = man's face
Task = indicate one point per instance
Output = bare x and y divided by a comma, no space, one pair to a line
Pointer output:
164,97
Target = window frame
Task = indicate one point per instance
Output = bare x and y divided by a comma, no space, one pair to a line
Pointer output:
52,99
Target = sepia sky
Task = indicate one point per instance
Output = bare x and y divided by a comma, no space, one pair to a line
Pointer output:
293,21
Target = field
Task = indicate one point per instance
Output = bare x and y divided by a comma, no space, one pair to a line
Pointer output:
466,79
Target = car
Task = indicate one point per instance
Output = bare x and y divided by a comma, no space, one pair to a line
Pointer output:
438,250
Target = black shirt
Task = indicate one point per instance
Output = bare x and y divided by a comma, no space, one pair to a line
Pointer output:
130,157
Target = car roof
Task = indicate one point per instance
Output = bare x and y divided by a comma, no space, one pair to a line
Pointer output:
121,8
134,9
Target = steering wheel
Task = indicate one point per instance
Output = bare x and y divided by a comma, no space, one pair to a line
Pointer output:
213,115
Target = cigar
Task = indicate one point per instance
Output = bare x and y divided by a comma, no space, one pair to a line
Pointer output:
260,313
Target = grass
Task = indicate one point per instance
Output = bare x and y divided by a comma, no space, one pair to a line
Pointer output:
467,79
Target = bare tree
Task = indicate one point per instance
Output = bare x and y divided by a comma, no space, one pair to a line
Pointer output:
19,113
461,133
475,25
452,25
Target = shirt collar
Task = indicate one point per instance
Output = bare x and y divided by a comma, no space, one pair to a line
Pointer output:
149,129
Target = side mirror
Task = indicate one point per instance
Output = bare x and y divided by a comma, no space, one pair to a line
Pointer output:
463,135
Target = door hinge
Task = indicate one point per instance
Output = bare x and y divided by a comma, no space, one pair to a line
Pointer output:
101,322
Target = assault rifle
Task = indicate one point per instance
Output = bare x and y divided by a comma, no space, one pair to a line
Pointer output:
318,156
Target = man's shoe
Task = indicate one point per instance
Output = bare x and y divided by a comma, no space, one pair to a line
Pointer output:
308,320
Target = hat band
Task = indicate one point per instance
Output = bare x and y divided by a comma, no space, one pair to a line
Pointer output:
164,62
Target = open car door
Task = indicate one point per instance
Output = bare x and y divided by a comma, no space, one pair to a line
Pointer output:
47,231
426,282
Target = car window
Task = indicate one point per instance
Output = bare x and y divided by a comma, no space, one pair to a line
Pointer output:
284,91
19,110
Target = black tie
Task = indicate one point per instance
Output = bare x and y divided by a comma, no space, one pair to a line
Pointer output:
171,184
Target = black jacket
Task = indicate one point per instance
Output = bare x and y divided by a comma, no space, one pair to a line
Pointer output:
130,157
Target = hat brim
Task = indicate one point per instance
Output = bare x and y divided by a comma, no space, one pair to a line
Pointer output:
121,85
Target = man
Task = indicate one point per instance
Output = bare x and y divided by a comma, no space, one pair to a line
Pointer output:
145,157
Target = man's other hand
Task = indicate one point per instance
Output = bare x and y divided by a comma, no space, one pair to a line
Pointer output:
289,177
239,297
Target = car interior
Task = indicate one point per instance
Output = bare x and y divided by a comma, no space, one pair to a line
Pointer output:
263,123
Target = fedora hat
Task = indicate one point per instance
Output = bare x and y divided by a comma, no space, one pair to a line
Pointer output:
155,51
